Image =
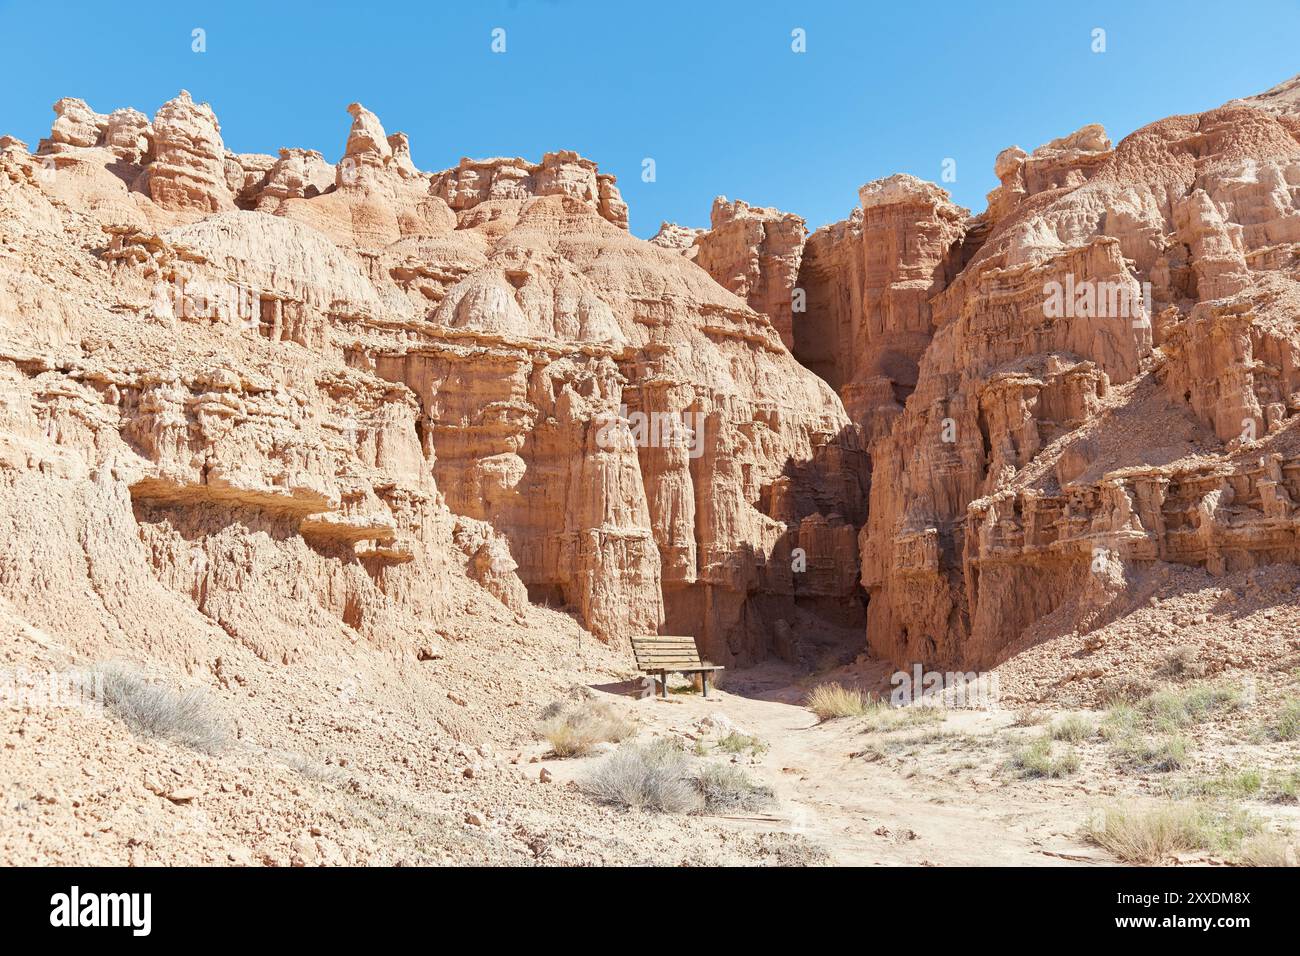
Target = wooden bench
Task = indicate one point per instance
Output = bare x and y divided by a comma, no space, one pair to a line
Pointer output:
665,654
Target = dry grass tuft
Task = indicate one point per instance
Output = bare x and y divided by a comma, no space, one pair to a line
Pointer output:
1269,849
651,776
1148,835
1288,722
725,787
1155,834
185,716
573,729
1072,727
1037,760
829,701
1181,663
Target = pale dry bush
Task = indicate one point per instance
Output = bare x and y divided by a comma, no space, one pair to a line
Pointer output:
829,701
659,775
1270,849
650,776
184,716
725,786
1073,727
1181,663
1155,834
1036,759
1148,835
573,729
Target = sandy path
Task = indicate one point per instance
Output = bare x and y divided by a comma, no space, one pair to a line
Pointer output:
932,807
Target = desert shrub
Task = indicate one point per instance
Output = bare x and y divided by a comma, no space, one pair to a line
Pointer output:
1165,754
724,786
1126,689
1269,849
1154,834
1072,727
1241,783
1170,709
1121,721
573,729
1268,786
1028,717
1036,760
829,701
1162,755
185,716
650,776
738,743
882,717
1149,835
1180,663
1288,722
659,775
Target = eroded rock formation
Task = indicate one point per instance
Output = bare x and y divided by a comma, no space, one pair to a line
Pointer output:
755,252
868,281
1110,384
279,396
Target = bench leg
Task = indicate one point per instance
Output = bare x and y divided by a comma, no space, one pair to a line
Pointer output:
663,684
704,683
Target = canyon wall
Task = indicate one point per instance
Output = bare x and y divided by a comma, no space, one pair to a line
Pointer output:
1094,375
271,399
276,396
1110,384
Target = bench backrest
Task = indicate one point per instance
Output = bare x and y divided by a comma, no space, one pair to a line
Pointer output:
656,652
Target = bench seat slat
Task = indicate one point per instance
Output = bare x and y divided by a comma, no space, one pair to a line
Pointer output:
676,653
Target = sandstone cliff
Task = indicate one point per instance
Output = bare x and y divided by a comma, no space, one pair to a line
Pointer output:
1109,386
1089,379
282,397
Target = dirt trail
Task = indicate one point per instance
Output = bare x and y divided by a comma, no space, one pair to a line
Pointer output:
941,803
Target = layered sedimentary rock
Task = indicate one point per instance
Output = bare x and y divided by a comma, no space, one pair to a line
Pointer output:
188,169
754,252
868,281
1110,384
673,236
271,398
1061,164
282,397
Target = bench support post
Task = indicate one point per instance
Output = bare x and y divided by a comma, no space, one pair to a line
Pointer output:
663,684
704,683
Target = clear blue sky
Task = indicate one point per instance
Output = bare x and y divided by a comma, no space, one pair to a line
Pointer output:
709,88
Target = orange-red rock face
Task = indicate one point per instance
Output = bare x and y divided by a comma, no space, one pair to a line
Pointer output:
1060,438
358,397
755,252
868,282
279,397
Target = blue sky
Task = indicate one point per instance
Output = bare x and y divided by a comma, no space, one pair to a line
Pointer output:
709,89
